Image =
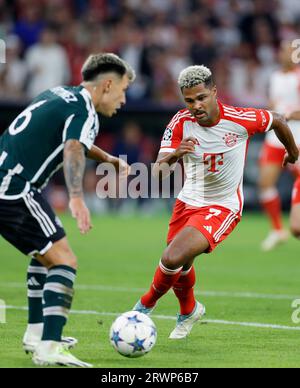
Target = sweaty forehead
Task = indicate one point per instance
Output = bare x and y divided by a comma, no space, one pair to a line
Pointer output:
196,91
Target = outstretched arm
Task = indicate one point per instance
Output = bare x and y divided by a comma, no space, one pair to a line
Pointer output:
74,166
101,156
97,154
285,136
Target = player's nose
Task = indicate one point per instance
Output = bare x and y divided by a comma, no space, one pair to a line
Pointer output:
198,106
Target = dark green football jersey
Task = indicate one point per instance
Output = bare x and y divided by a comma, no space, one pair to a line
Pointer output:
31,149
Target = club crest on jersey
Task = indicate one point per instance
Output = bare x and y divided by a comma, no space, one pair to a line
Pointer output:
231,139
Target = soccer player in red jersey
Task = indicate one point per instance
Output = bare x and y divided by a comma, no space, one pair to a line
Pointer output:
212,139
285,98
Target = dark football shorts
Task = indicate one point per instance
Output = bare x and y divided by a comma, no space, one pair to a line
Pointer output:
30,224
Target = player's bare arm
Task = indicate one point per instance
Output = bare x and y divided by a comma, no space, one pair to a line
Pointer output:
101,156
74,166
171,158
285,135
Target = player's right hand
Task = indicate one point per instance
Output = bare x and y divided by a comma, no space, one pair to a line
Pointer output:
187,146
81,213
290,159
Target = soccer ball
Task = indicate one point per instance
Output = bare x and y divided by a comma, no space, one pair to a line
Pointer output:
133,334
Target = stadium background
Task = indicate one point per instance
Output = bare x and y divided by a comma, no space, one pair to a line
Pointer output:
248,293
48,40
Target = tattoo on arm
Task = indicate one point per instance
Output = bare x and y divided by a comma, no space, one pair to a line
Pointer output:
74,166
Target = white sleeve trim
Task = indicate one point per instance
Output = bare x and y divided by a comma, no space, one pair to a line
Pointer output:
271,121
162,150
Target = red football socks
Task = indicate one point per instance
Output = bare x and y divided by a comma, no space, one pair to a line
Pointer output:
184,290
164,280
271,204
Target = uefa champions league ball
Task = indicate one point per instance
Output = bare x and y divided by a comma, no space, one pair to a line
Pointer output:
133,334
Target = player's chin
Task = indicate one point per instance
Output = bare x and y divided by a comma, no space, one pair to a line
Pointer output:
109,114
113,113
202,121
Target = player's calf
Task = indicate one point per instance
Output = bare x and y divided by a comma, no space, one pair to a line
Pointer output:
295,221
57,293
295,213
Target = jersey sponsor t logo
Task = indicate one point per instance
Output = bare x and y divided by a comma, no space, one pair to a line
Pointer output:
213,160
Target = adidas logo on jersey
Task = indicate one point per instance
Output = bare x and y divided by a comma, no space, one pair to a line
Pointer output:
208,228
33,282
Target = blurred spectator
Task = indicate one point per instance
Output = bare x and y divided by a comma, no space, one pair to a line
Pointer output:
95,204
47,64
238,39
261,11
30,24
204,49
158,38
248,79
130,143
13,73
289,11
5,19
70,40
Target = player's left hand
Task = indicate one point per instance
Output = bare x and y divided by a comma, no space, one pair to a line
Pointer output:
290,158
81,213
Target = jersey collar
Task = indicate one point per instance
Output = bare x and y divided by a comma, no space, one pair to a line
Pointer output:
86,93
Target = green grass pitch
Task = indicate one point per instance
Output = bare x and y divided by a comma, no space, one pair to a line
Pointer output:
238,283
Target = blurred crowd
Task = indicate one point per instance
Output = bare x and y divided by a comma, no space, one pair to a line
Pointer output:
48,40
132,145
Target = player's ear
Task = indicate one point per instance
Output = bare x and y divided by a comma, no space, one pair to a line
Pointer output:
107,85
214,91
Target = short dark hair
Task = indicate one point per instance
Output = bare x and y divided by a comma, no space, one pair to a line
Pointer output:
99,64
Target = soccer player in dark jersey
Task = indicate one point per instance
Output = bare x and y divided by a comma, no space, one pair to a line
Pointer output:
58,129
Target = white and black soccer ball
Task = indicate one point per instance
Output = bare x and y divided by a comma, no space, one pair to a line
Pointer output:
133,334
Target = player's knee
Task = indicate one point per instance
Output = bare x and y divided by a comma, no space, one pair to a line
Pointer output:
265,185
172,260
72,262
66,258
